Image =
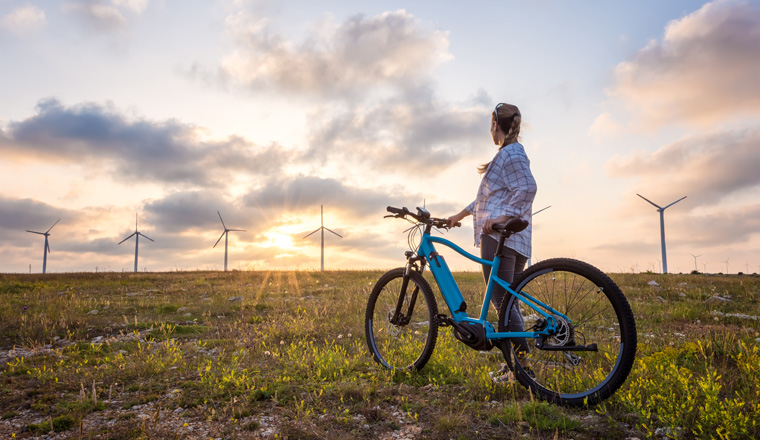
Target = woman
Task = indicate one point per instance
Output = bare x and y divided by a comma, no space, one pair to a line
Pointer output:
506,191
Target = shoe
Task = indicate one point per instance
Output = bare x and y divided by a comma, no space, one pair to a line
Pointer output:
529,372
502,375
524,362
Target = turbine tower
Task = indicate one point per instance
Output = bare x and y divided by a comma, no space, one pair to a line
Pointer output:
661,210
695,260
322,228
225,235
46,250
137,235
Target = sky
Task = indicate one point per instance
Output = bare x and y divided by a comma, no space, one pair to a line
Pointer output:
265,110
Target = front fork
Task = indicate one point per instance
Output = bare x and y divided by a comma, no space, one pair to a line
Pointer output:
399,318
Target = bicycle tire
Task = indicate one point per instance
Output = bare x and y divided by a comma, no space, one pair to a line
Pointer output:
573,378
408,346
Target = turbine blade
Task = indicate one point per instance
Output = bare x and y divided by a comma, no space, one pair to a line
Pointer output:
35,232
56,222
146,237
316,230
47,247
220,239
674,202
237,230
220,218
334,232
654,204
127,238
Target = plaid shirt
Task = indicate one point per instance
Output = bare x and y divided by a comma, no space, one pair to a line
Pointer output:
507,188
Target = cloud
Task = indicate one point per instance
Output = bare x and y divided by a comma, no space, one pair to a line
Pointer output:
400,134
19,215
24,20
709,168
333,59
718,229
166,151
77,230
188,210
605,126
299,193
103,15
136,6
704,70
372,77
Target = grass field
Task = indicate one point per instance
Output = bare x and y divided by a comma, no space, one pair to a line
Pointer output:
209,355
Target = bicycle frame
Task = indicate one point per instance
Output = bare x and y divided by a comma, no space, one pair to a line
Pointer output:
455,300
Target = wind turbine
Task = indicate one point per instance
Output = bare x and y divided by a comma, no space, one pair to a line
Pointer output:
322,228
137,235
726,265
46,250
225,234
695,260
661,210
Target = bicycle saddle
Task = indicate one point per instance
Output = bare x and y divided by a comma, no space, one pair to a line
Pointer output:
514,226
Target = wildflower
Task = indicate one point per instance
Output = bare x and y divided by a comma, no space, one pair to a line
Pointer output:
267,353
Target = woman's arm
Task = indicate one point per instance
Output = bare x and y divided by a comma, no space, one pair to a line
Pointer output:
516,197
455,218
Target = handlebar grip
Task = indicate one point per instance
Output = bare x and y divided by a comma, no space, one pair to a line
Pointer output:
393,210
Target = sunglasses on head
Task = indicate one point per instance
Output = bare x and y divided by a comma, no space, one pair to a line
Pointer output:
496,112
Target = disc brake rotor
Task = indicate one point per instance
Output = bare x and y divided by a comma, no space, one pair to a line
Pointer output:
565,334
393,329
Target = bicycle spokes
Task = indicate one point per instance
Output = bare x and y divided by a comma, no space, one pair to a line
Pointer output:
582,356
401,331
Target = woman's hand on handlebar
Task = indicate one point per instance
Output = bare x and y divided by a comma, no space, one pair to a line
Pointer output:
454,219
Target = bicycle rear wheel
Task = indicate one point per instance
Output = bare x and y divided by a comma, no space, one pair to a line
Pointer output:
408,343
598,314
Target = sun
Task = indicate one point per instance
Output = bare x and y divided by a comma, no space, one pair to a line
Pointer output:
279,240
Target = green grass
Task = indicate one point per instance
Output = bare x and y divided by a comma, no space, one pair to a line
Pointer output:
291,358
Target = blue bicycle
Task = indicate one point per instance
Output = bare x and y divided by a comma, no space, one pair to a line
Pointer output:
581,328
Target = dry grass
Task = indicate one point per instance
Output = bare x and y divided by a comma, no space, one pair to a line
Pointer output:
282,354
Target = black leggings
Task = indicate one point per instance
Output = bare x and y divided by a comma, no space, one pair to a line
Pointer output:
512,265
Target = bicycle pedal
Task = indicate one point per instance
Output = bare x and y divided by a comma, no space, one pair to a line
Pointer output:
443,320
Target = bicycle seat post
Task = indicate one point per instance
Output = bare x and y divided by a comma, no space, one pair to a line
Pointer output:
502,237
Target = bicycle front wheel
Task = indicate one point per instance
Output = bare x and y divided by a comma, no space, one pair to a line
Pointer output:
596,312
406,340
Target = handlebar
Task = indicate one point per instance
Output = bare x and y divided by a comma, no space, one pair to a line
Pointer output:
422,216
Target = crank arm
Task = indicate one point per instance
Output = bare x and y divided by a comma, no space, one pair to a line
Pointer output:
590,347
